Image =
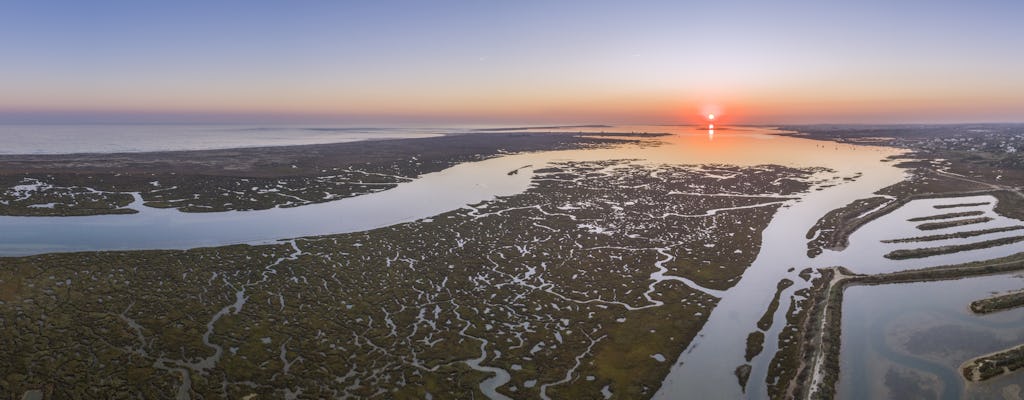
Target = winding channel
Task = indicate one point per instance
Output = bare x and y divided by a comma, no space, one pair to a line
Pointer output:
704,369
450,189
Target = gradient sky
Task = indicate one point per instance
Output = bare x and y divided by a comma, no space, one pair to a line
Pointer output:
512,61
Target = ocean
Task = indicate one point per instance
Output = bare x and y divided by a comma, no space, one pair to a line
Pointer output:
69,139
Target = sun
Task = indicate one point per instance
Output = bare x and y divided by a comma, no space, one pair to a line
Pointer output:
711,117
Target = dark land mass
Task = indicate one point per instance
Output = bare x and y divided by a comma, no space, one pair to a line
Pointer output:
767,318
955,235
755,344
517,283
993,365
554,286
824,330
998,303
792,365
947,216
943,206
253,178
743,375
934,251
986,154
931,226
943,161
524,128
832,230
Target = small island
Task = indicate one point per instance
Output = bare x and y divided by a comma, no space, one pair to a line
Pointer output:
998,303
993,365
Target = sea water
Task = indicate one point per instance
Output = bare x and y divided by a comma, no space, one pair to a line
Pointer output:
126,138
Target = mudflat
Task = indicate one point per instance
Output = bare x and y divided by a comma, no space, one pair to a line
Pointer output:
253,178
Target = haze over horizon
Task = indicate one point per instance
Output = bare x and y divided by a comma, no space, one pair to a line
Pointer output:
512,62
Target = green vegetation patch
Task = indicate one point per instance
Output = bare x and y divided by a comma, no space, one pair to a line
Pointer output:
993,365
998,303
946,216
903,254
833,229
765,322
958,205
755,343
255,178
931,226
955,235
554,286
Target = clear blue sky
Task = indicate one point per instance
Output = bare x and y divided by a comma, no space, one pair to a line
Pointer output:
514,61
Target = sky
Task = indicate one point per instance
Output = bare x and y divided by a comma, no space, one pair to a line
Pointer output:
490,61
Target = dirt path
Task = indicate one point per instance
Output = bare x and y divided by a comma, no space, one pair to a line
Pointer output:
995,186
826,355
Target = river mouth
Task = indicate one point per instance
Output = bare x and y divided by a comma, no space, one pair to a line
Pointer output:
706,369
450,189
733,183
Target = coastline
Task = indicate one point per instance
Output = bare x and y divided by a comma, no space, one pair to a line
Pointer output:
255,178
824,351
450,301
808,372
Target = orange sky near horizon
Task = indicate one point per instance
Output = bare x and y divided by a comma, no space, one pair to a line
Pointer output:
790,61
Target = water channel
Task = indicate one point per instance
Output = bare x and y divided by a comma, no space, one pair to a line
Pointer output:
704,370
907,340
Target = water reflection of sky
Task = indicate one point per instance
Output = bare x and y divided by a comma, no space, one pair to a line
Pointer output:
866,253
897,337
448,190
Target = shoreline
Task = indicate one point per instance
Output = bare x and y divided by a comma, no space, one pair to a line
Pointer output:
928,178
441,280
256,178
821,307
837,237
22,163
825,354
993,365
228,148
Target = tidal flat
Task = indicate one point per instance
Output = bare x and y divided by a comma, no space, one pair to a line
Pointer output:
630,265
256,178
580,287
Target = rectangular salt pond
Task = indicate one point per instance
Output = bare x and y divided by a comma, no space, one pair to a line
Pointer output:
905,341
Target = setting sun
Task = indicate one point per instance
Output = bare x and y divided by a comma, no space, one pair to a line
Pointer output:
594,228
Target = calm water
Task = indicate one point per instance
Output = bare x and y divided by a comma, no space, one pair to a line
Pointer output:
66,139
711,357
705,369
450,189
866,252
906,340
